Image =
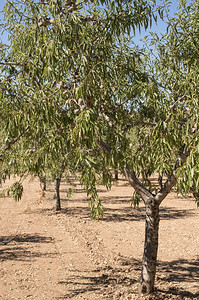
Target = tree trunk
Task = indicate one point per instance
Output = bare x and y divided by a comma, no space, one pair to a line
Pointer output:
57,182
195,193
152,203
150,247
43,183
116,174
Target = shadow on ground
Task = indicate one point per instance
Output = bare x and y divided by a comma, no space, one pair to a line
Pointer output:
77,207
116,214
18,247
123,279
102,282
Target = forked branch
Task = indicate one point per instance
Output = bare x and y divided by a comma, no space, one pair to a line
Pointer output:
130,176
172,179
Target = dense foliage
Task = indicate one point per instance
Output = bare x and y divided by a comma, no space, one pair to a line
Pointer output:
70,78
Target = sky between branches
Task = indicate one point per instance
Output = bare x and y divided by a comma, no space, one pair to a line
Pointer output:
159,28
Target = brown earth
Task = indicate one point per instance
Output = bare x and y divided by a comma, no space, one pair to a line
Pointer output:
66,255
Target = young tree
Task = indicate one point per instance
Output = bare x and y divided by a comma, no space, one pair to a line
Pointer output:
171,145
71,68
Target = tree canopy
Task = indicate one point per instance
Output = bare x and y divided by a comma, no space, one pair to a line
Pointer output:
69,75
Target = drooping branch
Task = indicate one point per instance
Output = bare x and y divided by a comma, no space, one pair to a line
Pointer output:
172,179
14,141
137,123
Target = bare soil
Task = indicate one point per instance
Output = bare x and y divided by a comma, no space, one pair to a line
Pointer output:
67,255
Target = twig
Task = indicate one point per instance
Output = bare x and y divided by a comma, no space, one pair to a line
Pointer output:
10,63
178,100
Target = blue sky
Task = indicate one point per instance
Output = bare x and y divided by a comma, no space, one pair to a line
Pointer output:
160,28
4,36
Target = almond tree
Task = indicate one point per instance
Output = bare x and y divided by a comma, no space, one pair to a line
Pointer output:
72,69
56,71
171,146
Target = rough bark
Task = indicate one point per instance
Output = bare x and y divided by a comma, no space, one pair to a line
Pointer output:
57,182
12,142
137,185
151,233
149,259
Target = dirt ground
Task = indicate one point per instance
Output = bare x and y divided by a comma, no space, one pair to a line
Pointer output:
66,255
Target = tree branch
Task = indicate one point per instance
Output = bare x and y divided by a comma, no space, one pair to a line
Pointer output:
130,175
146,123
178,100
10,63
137,185
171,181
106,148
11,143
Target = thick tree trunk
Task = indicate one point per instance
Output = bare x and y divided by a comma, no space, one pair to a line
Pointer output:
57,182
150,247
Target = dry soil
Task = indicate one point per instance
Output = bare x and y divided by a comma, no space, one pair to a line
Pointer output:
67,255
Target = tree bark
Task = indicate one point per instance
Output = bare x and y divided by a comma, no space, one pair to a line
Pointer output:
149,259
195,194
42,182
152,203
151,233
57,182
116,174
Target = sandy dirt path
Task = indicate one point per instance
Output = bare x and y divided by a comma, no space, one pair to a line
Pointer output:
66,255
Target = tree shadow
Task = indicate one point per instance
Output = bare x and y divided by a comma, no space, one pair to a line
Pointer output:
76,190
171,277
178,272
171,213
84,213
116,199
174,279
138,213
100,281
18,247
117,215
